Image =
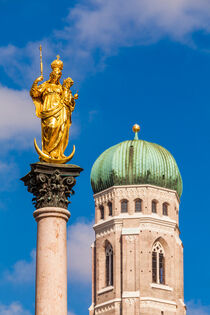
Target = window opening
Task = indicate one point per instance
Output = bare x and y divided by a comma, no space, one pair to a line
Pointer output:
165,208
154,267
138,205
110,208
124,206
102,212
109,265
154,206
158,264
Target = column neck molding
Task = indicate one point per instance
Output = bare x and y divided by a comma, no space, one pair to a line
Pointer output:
51,212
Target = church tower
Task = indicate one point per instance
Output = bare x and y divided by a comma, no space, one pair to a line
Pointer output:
137,264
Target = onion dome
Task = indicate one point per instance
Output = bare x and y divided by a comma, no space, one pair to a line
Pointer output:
136,162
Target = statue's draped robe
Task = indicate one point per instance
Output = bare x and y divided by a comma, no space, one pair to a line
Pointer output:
55,115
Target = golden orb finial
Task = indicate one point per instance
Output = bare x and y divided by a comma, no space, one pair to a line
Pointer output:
136,129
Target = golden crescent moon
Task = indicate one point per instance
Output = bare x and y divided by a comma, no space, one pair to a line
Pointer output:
45,157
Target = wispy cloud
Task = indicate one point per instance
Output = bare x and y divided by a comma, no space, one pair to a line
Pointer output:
113,24
80,238
197,309
14,308
23,271
95,30
18,121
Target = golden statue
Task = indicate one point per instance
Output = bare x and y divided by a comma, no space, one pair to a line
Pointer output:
54,105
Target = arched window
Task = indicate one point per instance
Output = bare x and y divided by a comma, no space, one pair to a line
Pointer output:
154,206
124,205
158,264
165,208
138,205
109,264
110,208
101,212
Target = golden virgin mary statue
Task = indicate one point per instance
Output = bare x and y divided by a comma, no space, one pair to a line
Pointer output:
54,105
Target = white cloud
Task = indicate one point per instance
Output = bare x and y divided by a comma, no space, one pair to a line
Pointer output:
112,24
104,27
80,238
14,308
23,271
18,122
197,309
96,28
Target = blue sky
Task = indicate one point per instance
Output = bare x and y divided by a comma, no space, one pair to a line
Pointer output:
137,61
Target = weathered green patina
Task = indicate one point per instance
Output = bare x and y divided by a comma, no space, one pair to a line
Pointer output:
136,162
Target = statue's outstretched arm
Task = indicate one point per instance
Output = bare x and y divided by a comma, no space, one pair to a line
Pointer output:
35,89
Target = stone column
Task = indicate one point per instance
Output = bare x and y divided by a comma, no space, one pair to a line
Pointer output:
51,185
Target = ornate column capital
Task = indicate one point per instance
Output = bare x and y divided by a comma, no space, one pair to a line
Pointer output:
51,184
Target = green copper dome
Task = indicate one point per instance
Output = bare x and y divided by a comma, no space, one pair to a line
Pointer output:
136,162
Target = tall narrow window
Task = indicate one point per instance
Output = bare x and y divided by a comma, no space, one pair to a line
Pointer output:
138,205
165,208
158,264
109,264
161,269
102,212
124,205
154,267
154,206
110,208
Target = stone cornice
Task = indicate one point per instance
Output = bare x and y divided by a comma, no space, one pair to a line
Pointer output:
152,299
143,218
106,289
161,287
130,294
146,222
117,300
107,224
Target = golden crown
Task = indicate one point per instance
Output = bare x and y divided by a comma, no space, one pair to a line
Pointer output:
57,64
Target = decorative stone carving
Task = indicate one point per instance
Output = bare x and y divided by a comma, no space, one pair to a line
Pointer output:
51,184
130,301
105,309
130,238
104,197
104,233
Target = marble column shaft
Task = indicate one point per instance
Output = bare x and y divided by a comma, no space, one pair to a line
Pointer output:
51,185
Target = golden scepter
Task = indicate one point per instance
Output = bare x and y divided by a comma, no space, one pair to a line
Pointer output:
41,64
